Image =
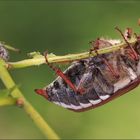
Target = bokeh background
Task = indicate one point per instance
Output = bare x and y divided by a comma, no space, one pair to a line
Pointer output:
63,27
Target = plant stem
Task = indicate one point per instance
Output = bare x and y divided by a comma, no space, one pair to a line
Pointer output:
11,48
66,58
7,101
16,93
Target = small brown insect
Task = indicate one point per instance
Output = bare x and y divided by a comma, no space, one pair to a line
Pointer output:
92,82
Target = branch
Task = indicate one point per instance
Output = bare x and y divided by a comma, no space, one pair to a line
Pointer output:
39,59
16,93
7,101
8,47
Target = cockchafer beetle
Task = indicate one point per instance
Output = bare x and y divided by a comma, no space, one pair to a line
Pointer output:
92,82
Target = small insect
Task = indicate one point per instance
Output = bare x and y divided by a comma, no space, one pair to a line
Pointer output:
92,82
4,54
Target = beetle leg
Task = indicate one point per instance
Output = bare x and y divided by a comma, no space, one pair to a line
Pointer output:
129,45
95,48
60,73
128,33
114,73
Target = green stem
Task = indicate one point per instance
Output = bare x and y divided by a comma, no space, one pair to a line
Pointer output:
66,58
11,48
7,101
16,93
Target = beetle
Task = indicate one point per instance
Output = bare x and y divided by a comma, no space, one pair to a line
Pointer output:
92,82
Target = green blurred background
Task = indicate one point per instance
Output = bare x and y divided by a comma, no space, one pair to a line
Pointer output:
64,27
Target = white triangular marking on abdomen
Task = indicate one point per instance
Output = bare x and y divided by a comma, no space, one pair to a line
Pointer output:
104,97
57,103
65,105
121,84
85,105
68,106
76,107
94,102
132,74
